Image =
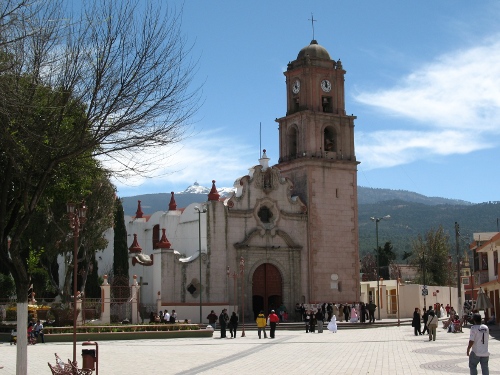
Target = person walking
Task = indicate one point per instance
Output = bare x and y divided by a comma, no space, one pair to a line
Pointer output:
273,321
347,312
233,324
425,318
432,323
212,319
307,318
312,322
477,350
415,323
320,318
261,324
223,320
363,313
371,311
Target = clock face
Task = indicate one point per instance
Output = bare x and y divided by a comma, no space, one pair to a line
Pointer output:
326,85
296,86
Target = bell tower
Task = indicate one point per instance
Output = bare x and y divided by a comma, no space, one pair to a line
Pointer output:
316,143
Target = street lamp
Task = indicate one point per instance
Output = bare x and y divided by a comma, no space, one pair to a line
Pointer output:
376,220
77,215
397,292
242,274
233,276
449,277
459,281
200,211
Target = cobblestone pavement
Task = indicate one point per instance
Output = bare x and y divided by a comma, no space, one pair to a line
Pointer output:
383,350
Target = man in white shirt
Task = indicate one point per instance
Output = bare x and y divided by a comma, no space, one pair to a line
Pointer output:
38,329
166,317
478,342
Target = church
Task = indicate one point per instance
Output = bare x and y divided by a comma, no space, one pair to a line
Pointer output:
289,233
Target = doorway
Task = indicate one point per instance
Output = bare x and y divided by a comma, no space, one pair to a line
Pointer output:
267,289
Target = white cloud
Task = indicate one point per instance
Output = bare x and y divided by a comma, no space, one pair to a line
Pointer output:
206,156
452,106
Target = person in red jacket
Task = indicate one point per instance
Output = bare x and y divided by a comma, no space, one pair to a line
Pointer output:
273,321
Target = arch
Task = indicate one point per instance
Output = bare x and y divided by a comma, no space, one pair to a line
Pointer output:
267,288
329,139
292,141
156,236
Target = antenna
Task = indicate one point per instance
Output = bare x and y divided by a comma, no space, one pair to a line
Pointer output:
312,23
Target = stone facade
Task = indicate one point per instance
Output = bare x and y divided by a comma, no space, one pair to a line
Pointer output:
293,224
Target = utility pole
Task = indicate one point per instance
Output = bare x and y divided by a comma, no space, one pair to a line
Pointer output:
459,281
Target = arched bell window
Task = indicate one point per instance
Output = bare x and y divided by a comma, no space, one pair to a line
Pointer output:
329,139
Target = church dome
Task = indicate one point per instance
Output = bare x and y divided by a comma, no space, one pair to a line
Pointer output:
315,51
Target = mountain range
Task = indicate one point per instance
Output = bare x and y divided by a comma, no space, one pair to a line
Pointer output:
411,214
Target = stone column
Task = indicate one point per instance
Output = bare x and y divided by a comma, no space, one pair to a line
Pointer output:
135,305
158,302
105,301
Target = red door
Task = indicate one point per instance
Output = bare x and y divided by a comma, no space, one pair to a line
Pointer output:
267,289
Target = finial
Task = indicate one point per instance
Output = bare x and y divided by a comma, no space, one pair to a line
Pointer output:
164,243
135,247
139,213
213,195
172,206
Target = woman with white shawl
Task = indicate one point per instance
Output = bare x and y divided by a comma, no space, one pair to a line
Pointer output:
332,326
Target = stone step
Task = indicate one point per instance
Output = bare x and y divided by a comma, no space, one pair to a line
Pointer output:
294,326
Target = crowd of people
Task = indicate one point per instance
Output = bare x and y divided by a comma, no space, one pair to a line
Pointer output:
349,312
163,317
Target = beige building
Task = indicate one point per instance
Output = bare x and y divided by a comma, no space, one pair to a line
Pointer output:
294,224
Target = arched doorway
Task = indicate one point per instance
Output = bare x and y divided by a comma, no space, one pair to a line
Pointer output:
267,289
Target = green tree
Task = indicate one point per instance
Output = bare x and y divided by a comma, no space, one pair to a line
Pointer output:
75,87
120,248
430,255
386,259
369,267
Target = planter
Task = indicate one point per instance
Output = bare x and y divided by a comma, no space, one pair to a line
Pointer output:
142,335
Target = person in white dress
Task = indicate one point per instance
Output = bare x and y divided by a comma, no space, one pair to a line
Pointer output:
332,326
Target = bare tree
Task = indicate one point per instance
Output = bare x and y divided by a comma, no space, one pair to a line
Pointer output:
110,81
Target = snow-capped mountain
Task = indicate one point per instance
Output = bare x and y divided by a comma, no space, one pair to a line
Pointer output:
151,203
196,188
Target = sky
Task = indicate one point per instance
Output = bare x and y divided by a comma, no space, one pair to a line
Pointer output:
423,79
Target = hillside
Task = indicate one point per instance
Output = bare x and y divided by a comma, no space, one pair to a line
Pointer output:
411,214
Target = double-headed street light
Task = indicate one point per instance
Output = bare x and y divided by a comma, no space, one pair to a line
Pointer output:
77,215
200,211
376,220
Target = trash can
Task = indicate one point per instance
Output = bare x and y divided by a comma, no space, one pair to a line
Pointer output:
88,359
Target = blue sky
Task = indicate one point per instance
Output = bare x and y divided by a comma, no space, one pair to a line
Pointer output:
423,78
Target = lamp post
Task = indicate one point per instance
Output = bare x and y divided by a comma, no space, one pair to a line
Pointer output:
449,277
459,281
77,216
376,220
200,211
233,276
242,274
397,292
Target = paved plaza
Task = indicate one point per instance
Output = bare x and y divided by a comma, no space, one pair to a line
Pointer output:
384,350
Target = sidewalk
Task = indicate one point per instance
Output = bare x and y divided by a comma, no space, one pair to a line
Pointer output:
383,350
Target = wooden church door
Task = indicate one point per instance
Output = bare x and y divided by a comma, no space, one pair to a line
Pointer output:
267,289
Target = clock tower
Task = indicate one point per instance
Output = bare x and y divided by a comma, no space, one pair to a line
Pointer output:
316,143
